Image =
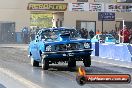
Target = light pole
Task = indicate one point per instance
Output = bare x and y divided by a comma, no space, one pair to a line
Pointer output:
123,26
123,30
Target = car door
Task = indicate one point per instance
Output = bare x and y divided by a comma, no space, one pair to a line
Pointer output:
34,48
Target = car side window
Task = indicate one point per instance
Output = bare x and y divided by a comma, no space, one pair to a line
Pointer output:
97,37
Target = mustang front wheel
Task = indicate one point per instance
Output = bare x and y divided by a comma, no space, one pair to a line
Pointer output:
72,62
34,63
87,61
45,64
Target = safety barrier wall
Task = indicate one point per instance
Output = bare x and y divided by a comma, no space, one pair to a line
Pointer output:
122,52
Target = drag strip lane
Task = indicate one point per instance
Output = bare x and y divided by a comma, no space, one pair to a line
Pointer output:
58,76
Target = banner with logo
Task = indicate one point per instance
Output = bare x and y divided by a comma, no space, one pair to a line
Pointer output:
124,1
48,0
118,8
96,7
78,7
106,1
48,6
82,0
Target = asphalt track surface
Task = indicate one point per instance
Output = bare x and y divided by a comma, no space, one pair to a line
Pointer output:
17,72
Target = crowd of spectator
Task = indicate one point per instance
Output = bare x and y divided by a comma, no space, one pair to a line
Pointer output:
123,35
84,33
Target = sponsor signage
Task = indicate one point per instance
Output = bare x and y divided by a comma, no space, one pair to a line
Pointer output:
84,78
96,7
108,1
81,6
48,6
82,0
124,1
78,7
118,8
106,16
48,0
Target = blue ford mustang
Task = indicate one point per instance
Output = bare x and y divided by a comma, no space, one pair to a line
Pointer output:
53,45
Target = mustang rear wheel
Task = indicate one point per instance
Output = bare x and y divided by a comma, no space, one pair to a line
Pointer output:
34,63
45,64
87,61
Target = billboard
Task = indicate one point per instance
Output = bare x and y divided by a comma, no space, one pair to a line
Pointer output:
82,0
48,0
124,1
118,8
48,6
78,7
106,16
96,7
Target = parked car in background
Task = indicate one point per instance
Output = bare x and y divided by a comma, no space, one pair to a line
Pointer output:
53,45
103,38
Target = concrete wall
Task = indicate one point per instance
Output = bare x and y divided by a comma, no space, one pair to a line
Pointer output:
15,11
71,17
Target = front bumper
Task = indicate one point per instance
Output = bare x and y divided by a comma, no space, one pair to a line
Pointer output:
65,54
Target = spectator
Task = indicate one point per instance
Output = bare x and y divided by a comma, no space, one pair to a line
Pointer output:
85,34
130,37
116,35
91,33
105,32
25,35
98,32
113,32
82,31
124,34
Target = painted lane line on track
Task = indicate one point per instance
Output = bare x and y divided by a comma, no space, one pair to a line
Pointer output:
112,64
22,80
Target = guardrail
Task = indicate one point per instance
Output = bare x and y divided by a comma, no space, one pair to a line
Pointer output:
122,52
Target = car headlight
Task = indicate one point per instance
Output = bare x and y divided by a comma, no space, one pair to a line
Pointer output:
86,45
48,48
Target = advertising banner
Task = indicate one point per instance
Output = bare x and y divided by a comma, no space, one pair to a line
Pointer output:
96,7
82,0
78,7
107,1
118,8
124,1
106,16
48,0
48,6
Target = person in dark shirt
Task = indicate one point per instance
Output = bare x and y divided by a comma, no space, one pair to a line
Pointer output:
91,33
85,33
82,32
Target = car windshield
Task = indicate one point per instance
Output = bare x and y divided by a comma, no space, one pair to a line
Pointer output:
53,34
106,36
